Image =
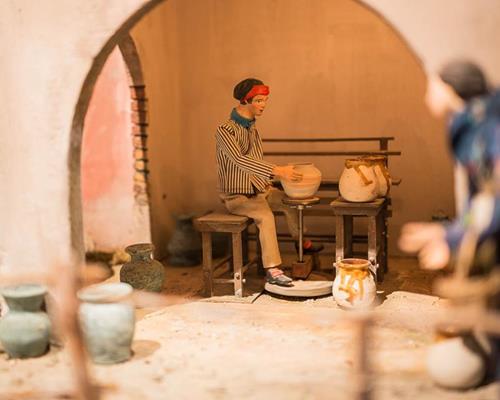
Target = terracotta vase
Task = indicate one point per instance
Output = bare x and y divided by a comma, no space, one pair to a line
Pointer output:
358,182
308,186
108,321
457,360
25,330
142,272
379,165
354,285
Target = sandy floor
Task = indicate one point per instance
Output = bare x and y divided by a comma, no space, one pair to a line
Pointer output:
272,348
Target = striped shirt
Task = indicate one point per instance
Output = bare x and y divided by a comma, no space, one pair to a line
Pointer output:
240,167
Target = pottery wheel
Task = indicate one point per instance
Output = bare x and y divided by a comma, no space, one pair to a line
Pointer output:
302,289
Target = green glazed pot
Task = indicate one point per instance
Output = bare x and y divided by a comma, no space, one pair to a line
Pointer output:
25,330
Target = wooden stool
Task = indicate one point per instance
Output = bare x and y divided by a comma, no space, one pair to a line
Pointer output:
376,211
302,267
226,223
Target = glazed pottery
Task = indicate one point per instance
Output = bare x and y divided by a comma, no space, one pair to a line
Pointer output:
184,247
457,360
25,330
358,182
108,321
308,186
354,285
142,272
379,165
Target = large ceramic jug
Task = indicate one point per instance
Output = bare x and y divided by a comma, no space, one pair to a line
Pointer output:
108,321
354,285
25,330
457,360
358,182
379,165
308,186
142,272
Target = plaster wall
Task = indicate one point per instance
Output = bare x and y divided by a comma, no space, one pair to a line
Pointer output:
112,218
50,49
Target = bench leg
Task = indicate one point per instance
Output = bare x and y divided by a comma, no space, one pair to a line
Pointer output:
339,238
237,264
372,241
206,238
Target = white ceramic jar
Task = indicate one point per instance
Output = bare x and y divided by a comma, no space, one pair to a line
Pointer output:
358,182
308,186
457,360
379,165
108,321
354,285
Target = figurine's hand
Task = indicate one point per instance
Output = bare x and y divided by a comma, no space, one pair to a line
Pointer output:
287,172
415,235
434,255
428,239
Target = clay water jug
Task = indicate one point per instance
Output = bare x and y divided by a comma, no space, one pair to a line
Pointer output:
108,320
308,186
457,360
25,330
379,165
354,285
142,272
358,182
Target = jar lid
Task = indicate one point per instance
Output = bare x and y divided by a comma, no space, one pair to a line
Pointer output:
24,290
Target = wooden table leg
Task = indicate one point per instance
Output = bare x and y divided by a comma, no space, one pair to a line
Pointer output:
372,241
206,238
348,222
339,238
382,249
237,264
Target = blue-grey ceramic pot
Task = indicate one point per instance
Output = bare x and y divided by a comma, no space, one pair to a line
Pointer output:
25,330
108,321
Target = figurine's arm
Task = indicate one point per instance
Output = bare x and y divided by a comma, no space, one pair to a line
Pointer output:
227,142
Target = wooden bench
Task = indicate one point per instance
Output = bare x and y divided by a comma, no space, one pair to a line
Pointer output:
226,223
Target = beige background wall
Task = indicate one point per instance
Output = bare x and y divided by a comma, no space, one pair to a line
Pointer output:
335,69
58,45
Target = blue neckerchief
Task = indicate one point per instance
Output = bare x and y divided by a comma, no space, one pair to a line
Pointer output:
244,122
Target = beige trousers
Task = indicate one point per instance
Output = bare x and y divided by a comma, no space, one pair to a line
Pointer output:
260,208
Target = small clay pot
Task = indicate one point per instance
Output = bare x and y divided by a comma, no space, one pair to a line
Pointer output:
308,186
108,321
142,272
457,359
25,330
358,182
354,285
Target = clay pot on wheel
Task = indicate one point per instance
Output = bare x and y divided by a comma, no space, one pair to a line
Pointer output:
108,321
379,165
358,182
457,360
354,285
142,272
308,186
25,330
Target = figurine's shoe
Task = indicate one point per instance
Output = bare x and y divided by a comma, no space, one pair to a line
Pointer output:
278,277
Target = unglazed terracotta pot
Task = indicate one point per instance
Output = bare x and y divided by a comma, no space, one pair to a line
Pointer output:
457,360
379,165
25,330
354,285
308,186
142,272
108,321
358,182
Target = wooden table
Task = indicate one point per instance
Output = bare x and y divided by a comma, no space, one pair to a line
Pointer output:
376,212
